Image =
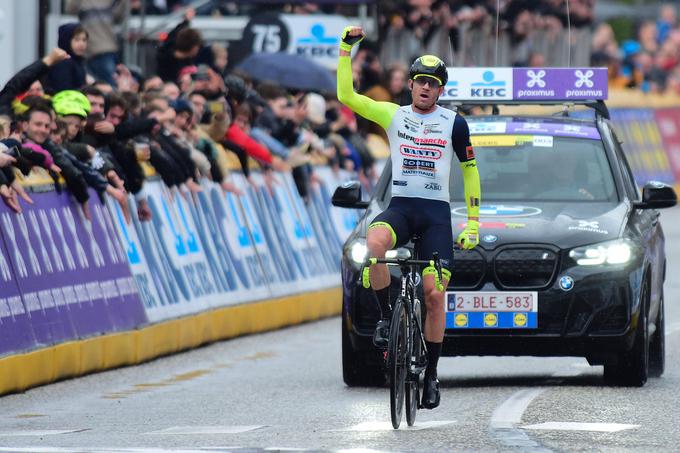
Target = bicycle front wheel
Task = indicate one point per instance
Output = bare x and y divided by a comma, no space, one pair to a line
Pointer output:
397,360
413,379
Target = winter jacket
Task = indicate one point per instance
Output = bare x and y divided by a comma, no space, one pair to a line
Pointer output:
20,83
68,74
169,66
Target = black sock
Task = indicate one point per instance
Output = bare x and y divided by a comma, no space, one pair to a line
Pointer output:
434,350
383,296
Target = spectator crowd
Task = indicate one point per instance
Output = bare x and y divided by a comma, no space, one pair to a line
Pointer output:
94,124
648,61
97,130
463,32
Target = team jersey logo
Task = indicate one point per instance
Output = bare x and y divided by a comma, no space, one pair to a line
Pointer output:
413,167
438,142
433,128
420,152
470,152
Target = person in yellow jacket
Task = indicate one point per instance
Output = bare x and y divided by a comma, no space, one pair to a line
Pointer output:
423,138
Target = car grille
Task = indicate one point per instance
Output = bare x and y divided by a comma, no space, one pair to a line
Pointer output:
525,268
469,268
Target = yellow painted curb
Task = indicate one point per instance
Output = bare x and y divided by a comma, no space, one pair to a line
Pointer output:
76,358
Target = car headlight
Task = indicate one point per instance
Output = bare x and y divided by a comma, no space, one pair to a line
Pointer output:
358,252
619,251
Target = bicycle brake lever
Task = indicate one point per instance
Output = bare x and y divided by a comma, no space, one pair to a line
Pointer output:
438,273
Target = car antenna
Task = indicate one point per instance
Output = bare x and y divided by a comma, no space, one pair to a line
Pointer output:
498,12
568,36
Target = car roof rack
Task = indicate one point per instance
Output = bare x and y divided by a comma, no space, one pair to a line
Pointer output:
597,105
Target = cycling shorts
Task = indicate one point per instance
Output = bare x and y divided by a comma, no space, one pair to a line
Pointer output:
429,219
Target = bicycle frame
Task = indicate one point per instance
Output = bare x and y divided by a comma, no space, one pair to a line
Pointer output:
408,293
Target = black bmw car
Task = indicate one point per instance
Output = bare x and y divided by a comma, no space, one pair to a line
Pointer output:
571,258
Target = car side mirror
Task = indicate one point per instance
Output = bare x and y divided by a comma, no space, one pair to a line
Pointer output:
657,195
348,195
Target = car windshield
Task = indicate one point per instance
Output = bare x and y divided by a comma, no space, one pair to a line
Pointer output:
542,168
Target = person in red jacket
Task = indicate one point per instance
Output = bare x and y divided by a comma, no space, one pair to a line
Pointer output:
236,95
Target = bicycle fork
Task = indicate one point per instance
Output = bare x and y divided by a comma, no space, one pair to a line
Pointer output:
417,363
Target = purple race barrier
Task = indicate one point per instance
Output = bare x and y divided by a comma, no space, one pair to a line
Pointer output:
72,276
16,332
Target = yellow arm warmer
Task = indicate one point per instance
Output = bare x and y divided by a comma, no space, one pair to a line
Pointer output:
378,112
473,190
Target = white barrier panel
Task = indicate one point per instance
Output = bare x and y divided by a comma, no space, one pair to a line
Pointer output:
181,252
343,219
279,248
301,233
156,304
215,248
314,242
242,243
208,213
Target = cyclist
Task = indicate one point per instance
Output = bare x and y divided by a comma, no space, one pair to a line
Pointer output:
423,138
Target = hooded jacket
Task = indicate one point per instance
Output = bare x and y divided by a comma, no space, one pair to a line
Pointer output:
68,74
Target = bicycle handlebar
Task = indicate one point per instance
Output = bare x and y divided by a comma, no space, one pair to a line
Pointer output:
434,262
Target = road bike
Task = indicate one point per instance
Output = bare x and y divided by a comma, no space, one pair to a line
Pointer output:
406,349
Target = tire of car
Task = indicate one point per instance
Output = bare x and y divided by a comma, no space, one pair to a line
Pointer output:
632,367
657,347
357,369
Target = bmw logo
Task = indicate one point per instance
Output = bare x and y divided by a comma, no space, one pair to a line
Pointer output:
490,238
566,283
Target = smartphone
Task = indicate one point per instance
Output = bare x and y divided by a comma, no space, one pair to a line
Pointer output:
216,106
95,117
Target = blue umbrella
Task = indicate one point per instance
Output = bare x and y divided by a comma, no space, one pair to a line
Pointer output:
290,71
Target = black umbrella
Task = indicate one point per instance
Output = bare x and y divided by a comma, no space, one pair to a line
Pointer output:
290,71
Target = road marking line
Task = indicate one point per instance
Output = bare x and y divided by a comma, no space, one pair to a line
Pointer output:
42,449
572,426
207,429
509,414
42,432
114,450
387,426
160,450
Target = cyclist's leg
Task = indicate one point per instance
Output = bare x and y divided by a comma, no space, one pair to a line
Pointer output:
435,238
388,229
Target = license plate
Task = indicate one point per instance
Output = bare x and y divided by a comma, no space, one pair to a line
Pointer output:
488,310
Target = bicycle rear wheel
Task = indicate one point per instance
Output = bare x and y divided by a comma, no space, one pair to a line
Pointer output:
398,358
412,391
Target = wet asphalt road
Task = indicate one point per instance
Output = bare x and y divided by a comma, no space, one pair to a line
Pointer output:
283,391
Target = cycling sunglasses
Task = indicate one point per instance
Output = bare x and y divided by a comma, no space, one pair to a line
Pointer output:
421,80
